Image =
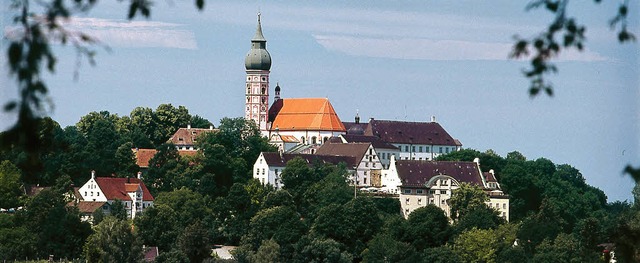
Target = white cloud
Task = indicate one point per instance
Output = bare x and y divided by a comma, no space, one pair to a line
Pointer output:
135,33
428,49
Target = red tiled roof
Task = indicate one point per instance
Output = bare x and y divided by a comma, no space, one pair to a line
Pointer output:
115,188
88,207
280,160
131,187
355,150
188,136
304,114
151,253
417,173
429,133
143,156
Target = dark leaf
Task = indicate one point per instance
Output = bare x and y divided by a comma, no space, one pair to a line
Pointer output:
15,52
200,4
10,106
133,9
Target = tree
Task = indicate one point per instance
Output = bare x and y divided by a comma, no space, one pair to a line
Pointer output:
194,242
384,248
269,251
57,228
318,250
476,245
158,226
118,211
282,224
467,198
113,241
9,185
427,227
546,45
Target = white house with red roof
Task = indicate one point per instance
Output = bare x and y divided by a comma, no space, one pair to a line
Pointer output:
105,190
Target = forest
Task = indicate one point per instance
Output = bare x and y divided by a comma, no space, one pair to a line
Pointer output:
211,198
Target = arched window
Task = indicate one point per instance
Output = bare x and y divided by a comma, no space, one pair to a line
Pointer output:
313,140
325,139
302,139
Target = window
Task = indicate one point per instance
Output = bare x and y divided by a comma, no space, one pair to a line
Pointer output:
420,149
407,191
262,171
313,140
364,180
85,193
504,214
365,173
370,151
413,148
276,171
432,192
504,206
443,192
98,193
407,201
447,148
91,193
406,148
442,202
427,149
419,191
419,201
491,205
440,149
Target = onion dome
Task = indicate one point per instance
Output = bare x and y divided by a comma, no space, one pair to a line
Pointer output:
258,57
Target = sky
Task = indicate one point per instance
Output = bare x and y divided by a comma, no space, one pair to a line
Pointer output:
394,60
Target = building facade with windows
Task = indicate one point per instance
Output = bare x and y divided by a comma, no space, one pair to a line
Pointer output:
269,166
368,167
103,191
185,139
420,183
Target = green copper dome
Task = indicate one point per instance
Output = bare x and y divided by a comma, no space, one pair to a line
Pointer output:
258,57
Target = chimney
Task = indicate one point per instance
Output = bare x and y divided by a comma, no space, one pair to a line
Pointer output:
433,118
93,174
189,126
492,172
210,127
140,175
476,160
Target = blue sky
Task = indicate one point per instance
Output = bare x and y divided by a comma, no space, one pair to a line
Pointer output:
398,60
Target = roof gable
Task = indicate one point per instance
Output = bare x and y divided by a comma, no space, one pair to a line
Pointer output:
355,150
429,133
417,173
188,136
116,188
305,114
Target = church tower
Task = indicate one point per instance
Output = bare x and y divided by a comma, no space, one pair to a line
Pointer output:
257,65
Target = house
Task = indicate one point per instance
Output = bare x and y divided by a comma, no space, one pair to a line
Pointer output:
383,149
415,140
423,182
368,164
284,143
101,192
269,166
143,156
186,138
